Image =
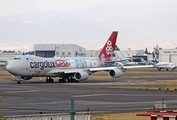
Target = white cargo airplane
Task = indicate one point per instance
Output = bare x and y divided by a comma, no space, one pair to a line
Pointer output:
68,69
165,65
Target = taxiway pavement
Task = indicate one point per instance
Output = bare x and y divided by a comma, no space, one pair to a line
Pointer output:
40,97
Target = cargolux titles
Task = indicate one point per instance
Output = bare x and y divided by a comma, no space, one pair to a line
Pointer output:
42,65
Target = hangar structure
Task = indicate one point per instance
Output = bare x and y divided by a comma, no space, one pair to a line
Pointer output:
168,55
59,50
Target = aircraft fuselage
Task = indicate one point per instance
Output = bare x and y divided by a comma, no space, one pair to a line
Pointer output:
37,66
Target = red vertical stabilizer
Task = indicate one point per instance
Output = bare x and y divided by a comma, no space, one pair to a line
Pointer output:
106,53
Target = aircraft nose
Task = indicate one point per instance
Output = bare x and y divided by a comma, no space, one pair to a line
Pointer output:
10,68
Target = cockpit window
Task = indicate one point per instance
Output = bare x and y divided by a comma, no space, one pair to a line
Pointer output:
16,58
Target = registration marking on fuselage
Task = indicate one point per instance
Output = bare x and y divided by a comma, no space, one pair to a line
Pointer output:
90,95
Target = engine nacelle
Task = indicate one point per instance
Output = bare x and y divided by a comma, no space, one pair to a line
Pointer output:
115,73
25,78
81,76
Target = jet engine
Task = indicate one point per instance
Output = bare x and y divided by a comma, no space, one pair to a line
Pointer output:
25,78
81,76
115,73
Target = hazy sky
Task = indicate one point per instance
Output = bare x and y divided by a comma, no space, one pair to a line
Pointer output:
88,23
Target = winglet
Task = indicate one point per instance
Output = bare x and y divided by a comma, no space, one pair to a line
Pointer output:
106,53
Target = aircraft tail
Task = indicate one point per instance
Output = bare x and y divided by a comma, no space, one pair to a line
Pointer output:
106,53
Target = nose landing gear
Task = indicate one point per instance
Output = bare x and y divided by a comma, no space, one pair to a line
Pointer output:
19,81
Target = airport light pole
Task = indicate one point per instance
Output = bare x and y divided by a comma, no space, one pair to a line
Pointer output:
72,110
129,51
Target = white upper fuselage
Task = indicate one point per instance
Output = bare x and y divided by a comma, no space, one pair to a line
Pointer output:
38,66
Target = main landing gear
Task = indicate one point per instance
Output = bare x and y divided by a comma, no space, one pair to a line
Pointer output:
69,79
49,80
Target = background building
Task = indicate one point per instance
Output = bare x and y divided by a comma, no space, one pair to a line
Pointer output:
73,50
59,50
168,55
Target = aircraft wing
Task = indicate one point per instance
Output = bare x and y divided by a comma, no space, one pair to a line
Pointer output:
121,67
101,68
72,71
138,66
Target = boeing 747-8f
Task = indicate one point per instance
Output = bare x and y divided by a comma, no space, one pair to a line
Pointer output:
67,69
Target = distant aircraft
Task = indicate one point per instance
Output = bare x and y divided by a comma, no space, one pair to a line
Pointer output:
165,65
131,61
68,69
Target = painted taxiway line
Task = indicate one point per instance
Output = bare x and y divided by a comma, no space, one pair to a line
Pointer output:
90,95
24,91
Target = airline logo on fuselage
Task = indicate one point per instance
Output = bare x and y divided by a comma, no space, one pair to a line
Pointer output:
42,65
62,63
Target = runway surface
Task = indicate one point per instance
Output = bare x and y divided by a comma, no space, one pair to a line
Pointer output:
41,97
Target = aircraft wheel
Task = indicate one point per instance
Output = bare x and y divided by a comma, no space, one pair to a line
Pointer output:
75,81
66,80
51,80
70,80
47,80
166,69
61,80
19,82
